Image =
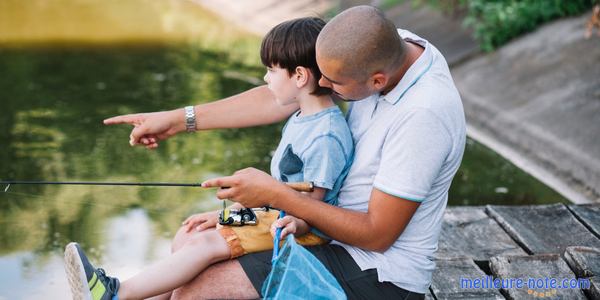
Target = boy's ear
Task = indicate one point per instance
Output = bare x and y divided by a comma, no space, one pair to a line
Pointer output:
379,80
302,76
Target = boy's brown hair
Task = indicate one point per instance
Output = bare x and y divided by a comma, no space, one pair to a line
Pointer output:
291,44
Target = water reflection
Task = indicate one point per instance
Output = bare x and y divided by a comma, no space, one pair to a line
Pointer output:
34,275
53,101
484,177
52,130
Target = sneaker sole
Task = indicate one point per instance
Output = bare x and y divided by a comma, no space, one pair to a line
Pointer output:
76,274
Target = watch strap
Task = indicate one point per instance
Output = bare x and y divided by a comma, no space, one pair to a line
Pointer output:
190,119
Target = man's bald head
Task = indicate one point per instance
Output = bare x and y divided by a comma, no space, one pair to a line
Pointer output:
362,41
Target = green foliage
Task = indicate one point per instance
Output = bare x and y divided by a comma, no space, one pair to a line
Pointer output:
496,22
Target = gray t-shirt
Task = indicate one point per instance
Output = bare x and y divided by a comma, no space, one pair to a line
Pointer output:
408,143
315,148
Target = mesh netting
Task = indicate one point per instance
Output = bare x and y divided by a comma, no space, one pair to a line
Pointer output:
297,274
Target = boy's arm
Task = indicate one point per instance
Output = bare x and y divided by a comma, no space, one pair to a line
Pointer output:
251,108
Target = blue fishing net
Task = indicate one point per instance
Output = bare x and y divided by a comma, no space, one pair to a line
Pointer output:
297,274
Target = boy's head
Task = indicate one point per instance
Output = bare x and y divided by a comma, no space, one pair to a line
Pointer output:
291,46
357,51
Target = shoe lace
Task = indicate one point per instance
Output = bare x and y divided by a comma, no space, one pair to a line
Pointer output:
111,283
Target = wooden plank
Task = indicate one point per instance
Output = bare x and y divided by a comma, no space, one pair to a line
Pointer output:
535,267
470,232
589,215
584,261
448,275
543,229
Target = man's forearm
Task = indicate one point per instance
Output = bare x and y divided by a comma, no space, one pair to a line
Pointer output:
376,230
344,225
251,108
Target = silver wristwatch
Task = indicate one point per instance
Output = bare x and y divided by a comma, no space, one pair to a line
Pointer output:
190,119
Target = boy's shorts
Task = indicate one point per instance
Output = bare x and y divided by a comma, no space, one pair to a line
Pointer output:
256,238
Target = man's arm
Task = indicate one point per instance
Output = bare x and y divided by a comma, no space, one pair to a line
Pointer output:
376,229
251,108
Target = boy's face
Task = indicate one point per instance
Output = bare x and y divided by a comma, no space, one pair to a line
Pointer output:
281,84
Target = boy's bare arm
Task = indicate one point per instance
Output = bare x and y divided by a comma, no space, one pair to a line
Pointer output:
251,108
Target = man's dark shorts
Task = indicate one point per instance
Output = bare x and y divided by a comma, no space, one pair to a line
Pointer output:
357,284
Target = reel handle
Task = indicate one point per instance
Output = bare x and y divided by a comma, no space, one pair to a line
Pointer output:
302,186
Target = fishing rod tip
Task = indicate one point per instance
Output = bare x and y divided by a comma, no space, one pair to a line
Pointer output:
6,189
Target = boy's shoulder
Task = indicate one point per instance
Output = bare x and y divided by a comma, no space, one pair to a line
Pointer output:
327,119
329,122
333,123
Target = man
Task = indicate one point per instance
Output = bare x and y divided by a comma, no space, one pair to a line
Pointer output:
409,134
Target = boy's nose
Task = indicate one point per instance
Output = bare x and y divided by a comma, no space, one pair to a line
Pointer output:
266,78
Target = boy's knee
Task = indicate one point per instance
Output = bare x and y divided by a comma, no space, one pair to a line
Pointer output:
205,239
181,238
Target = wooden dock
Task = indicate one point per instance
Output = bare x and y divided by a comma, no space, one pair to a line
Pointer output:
538,242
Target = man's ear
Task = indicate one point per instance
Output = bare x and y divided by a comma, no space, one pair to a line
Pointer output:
379,81
302,76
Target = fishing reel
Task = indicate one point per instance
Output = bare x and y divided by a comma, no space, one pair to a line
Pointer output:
237,217
246,216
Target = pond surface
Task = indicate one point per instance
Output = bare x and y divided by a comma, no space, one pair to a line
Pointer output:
55,90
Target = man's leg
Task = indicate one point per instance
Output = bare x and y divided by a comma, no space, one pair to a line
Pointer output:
224,280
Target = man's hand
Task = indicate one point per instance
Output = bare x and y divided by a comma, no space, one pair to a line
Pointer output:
249,187
201,222
289,224
150,128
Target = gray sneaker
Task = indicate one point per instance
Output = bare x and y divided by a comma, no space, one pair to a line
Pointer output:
87,282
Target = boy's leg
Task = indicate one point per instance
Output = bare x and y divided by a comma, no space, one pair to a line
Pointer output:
180,239
198,253
193,257
86,281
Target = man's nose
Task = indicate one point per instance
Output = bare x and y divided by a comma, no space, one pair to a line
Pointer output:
324,82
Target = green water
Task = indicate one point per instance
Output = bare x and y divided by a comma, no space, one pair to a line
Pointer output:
53,98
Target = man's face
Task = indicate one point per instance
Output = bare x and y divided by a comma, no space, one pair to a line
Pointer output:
345,87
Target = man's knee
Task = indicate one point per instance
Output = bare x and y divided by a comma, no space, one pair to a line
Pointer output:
225,280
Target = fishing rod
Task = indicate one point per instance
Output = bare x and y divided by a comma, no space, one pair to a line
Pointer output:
298,186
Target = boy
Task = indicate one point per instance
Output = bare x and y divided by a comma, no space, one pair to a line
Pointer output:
316,146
